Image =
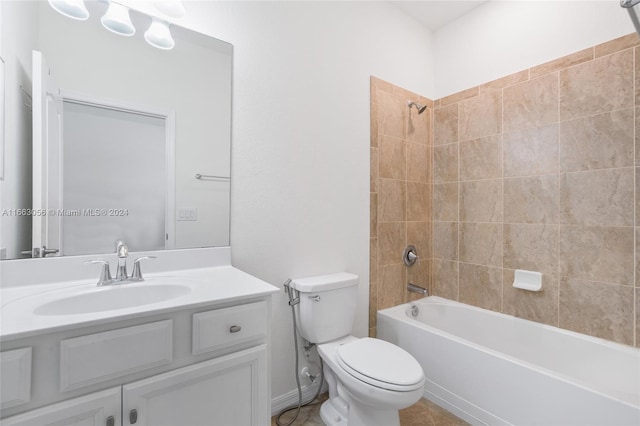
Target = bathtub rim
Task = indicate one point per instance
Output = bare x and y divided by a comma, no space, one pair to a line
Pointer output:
399,312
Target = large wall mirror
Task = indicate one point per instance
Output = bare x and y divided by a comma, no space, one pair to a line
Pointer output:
109,138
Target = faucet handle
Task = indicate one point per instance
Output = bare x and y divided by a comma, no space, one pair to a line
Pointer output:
105,274
136,275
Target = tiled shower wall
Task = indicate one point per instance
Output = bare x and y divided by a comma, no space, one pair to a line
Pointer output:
538,171
400,194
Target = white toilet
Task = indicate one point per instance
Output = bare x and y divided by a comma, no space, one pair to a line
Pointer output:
369,379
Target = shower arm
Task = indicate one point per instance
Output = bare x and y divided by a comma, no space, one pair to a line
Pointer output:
633,12
628,3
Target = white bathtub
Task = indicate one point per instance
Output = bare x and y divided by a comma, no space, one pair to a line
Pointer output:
492,368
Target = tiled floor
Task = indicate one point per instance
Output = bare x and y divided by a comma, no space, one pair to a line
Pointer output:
422,413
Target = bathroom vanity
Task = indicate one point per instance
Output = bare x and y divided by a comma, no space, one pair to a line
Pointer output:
75,353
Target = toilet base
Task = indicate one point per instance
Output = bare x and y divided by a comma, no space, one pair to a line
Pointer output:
330,416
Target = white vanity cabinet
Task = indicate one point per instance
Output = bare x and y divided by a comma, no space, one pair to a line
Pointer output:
205,366
97,409
230,390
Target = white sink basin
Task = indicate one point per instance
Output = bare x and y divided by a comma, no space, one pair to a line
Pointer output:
111,298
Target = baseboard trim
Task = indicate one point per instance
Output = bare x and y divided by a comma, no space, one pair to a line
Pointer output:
290,398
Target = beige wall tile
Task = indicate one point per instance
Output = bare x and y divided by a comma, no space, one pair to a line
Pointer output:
373,260
480,116
460,96
392,158
373,215
418,162
617,44
506,81
418,125
531,152
481,243
445,240
373,175
444,281
562,63
391,243
597,253
598,141
445,163
392,112
419,274
601,310
531,247
392,285
541,306
532,199
481,201
445,126
445,202
373,303
600,197
418,202
637,195
373,124
419,235
392,199
602,85
637,75
637,121
481,286
531,104
637,258
481,158
637,318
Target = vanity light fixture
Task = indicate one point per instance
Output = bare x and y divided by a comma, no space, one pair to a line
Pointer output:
74,9
171,8
158,35
117,20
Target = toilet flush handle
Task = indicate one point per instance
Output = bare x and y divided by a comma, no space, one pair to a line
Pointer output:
315,298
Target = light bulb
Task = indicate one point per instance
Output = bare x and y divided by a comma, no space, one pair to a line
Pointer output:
74,9
158,35
117,20
171,8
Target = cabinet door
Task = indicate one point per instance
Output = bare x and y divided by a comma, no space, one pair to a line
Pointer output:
230,390
96,409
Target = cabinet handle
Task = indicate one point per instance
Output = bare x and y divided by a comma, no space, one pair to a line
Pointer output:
111,421
133,416
235,329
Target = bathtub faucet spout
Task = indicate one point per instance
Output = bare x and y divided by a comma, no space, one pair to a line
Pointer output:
417,289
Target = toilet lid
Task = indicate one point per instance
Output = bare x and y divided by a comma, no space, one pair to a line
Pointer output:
381,364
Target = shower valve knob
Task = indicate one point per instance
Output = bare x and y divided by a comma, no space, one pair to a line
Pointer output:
410,255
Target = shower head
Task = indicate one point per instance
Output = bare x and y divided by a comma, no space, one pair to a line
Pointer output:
419,107
633,7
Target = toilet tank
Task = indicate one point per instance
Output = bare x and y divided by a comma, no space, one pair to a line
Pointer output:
327,306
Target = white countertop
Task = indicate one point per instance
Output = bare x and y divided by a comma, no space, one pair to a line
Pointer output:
222,284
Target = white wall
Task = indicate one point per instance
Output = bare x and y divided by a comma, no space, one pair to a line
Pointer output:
300,151
503,37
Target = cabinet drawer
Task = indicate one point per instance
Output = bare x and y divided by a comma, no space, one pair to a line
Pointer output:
99,357
15,377
220,328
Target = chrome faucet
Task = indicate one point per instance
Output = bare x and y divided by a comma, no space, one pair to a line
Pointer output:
121,274
417,289
123,251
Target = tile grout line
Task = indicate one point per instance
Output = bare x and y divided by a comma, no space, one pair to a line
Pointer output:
558,211
458,195
502,185
635,209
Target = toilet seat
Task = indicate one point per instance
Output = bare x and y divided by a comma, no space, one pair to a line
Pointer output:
381,364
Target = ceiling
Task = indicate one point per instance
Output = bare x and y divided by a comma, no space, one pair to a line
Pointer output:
437,14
